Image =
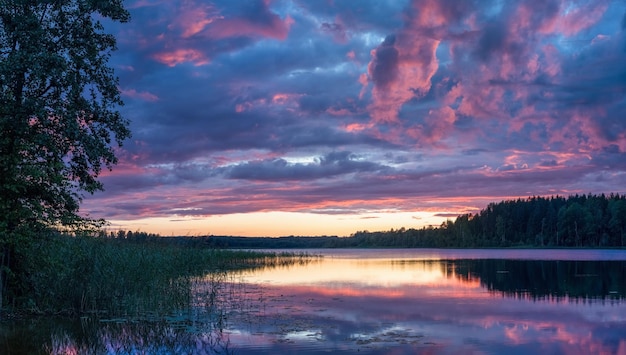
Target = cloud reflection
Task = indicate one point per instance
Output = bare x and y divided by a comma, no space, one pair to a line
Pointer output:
429,305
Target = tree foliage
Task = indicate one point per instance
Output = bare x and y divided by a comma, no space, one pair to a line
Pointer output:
58,107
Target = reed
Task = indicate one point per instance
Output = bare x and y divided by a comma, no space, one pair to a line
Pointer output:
62,274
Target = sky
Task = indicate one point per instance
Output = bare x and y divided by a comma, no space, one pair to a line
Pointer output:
327,117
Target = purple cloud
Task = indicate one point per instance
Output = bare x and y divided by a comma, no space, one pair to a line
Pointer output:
332,164
384,65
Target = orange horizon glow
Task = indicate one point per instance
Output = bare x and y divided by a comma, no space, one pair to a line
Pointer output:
278,224
300,222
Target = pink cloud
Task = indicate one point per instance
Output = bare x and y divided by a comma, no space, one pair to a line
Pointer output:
400,70
339,112
440,122
396,83
144,3
234,27
191,34
143,95
285,98
511,57
261,23
180,56
357,127
193,20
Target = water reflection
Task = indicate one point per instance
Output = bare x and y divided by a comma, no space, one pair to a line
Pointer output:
148,337
541,279
197,328
458,305
378,303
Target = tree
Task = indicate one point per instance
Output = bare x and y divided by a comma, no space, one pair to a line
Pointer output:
58,112
617,223
501,229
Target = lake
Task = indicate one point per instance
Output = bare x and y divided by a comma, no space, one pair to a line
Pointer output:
391,301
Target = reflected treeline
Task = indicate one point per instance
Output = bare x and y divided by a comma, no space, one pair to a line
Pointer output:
545,279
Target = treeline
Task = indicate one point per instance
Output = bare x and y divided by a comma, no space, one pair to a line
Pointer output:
575,221
224,242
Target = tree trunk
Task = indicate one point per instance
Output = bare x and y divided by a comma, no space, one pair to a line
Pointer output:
2,277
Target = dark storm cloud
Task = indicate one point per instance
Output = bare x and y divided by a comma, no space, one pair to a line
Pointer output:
177,33
611,158
411,186
594,83
492,41
332,164
384,67
255,11
322,136
207,100
543,11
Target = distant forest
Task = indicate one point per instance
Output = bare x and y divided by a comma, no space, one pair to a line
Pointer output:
575,221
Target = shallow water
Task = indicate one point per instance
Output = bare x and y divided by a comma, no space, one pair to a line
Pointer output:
378,302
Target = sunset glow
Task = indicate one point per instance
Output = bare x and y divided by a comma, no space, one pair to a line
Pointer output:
270,118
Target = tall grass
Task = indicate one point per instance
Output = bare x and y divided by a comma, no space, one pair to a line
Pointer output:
69,275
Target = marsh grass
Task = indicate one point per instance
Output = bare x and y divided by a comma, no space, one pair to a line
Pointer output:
68,275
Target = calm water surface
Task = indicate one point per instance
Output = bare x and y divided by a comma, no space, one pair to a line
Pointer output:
382,302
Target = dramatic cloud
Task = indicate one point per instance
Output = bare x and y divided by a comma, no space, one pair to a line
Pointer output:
347,108
383,68
339,163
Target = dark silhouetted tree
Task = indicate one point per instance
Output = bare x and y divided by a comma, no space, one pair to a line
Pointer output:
58,112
